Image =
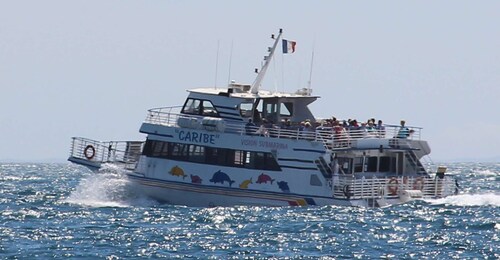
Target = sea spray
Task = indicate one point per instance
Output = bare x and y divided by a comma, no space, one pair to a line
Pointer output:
109,187
487,199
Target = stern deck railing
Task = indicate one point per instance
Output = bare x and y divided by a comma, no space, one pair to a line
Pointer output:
125,152
391,187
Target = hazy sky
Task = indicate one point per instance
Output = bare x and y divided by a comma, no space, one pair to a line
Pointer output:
93,68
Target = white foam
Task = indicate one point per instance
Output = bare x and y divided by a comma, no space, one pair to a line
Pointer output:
486,173
107,188
487,199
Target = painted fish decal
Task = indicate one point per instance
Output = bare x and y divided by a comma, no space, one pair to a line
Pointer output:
196,179
244,184
264,178
283,185
177,171
221,177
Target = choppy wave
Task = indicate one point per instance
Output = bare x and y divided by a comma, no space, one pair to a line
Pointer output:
488,199
65,211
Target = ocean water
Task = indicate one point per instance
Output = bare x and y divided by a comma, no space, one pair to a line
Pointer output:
65,211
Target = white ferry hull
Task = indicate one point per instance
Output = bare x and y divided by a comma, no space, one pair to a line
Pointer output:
177,193
205,196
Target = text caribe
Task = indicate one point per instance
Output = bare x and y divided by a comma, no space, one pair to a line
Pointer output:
196,137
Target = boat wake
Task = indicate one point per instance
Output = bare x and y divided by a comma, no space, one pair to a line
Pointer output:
108,188
486,199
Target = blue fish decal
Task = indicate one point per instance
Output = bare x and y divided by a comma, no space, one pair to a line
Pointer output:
221,177
283,185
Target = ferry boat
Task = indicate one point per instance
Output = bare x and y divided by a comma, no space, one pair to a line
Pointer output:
241,145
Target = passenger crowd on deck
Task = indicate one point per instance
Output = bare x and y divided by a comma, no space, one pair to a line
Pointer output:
337,129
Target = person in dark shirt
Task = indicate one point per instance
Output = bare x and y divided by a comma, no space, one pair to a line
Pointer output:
250,127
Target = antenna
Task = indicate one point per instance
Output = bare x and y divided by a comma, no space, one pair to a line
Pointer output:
216,64
310,74
230,60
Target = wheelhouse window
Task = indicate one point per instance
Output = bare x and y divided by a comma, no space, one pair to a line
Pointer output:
199,107
246,109
286,109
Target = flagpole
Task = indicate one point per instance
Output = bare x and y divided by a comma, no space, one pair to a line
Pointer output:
283,71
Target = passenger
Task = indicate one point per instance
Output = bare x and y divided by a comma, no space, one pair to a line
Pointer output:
354,129
404,132
256,116
262,131
363,130
250,127
345,124
307,131
370,129
380,129
339,136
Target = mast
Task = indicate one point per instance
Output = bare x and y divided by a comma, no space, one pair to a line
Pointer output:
267,60
310,74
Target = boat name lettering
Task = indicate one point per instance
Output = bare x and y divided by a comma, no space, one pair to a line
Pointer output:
266,144
197,137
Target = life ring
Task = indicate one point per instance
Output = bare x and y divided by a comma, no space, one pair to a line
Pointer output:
418,184
347,191
89,152
392,186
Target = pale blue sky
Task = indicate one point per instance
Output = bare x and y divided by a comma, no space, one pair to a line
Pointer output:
93,68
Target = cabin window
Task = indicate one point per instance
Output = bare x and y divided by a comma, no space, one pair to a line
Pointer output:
286,109
192,106
199,107
345,165
238,157
359,164
246,109
208,109
387,164
197,153
271,109
371,164
178,151
158,148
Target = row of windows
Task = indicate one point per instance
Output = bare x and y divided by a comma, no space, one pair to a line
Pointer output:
368,164
210,155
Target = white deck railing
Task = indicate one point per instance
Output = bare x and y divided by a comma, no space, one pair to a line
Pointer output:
169,116
126,152
346,186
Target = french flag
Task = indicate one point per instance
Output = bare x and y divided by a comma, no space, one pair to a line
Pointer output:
289,46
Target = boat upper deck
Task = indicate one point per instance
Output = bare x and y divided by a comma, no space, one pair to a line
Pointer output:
332,137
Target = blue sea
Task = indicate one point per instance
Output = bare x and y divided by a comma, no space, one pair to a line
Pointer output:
66,211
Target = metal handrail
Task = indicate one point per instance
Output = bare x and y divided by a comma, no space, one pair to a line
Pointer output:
390,187
169,116
126,152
